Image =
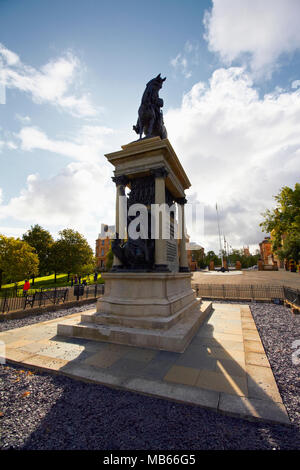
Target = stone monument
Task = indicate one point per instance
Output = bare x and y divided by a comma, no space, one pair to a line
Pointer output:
148,299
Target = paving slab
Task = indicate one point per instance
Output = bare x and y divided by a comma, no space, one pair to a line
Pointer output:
224,368
182,375
222,382
253,346
255,277
253,408
256,359
231,367
262,384
180,393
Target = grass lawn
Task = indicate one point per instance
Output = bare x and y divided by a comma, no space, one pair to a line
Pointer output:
48,282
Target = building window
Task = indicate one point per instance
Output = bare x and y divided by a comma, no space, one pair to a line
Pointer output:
102,242
102,252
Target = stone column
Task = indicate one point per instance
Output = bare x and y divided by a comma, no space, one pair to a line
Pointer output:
183,259
121,182
160,175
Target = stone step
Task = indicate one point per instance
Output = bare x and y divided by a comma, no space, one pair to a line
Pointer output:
175,339
160,323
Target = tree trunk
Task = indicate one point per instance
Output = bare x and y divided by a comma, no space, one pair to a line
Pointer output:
1,278
55,277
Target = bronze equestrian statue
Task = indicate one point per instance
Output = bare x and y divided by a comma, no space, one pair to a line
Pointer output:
150,120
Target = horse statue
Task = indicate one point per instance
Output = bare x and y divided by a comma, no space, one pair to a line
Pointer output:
150,117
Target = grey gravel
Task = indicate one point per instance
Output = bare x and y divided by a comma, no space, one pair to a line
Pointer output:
62,413
278,328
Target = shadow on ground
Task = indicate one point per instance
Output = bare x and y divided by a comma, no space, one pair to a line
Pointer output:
92,416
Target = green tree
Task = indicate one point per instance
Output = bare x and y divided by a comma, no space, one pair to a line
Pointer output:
88,268
291,247
199,257
17,260
246,261
41,240
109,260
211,256
236,255
75,251
56,258
283,223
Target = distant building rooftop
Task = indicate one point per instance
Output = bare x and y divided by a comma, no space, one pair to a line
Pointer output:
107,231
194,246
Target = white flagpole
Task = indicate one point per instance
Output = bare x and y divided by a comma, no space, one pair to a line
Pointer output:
219,236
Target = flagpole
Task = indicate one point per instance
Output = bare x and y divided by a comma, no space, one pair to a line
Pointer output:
219,236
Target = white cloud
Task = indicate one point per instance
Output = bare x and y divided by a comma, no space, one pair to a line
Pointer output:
253,29
180,63
10,231
10,57
51,84
9,144
87,145
23,119
295,84
80,196
237,149
184,60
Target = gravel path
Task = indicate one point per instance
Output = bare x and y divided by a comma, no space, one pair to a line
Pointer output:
279,328
44,411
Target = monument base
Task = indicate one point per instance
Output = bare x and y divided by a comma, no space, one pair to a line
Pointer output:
150,310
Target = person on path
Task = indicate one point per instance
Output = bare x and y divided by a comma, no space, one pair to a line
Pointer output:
26,287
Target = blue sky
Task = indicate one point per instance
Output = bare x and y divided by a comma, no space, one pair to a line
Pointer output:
74,72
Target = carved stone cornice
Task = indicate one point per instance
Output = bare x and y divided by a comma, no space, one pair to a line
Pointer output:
121,180
181,200
161,172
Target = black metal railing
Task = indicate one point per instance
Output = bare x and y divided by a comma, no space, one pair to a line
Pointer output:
11,300
239,291
292,296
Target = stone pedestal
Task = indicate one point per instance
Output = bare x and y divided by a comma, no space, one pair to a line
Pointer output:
150,310
150,305
146,295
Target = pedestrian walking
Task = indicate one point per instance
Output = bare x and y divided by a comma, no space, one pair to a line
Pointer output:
26,287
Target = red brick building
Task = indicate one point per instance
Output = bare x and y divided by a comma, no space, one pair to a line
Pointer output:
192,247
103,244
246,251
266,250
